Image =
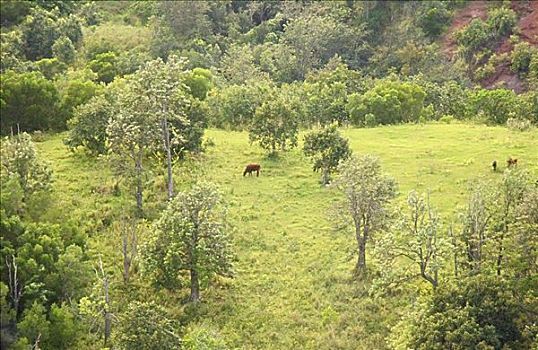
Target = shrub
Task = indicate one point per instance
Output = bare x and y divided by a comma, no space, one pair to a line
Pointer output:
518,124
447,119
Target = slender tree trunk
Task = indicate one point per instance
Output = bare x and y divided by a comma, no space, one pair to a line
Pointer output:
195,286
15,290
325,177
166,137
139,185
361,261
500,255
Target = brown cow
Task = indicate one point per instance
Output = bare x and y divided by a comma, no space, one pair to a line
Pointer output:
511,161
251,168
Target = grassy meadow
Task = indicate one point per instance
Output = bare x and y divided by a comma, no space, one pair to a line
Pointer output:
293,287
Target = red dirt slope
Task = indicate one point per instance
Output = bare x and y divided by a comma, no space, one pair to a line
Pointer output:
527,31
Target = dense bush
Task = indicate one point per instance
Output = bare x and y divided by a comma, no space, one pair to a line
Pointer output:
494,106
29,102
390,102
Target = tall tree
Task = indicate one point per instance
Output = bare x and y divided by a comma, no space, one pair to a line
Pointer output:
367,191
189,238
162,88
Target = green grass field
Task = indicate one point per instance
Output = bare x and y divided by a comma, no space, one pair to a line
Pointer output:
293,287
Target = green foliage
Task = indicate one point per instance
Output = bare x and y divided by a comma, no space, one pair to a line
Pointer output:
522,56
200,337
391,102
233,107
481,312
34,328
39,32
501,21
13,12
434,20
199,81
366,193
76,92
326,148
21,162
104,65
275,125
51,67
30,101
64,50
145,326
495,106
88,126
190,238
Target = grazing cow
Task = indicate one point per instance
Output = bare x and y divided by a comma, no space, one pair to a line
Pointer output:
511,161
494,165
251,168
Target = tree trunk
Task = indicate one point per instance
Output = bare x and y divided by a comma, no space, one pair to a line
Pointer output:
166,136
139,185
361,261
325,176
500,255
195,286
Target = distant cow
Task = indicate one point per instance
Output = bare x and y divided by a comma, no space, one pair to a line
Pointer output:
251,168
494,165
511,161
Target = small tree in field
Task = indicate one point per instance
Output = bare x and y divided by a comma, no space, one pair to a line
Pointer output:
190,239
367,192
326,148
275,125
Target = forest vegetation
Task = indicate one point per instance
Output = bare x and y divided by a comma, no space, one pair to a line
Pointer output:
385,214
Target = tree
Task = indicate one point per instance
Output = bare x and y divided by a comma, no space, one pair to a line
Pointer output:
145,326
131,133
40,31
366,193
34,325
64,50
104,65
21,162
162,91
28,101
510,192
476,313
476,221
189,238
275,125
415,238
88,126
327,149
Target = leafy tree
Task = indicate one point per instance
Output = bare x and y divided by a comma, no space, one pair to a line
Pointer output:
199,81
233,107
51,67
63,327
104,64
13,12
131,134
161,86
511,190
477,313
327,149
434,20
416,238
275,124
366,193
34,326
21,162
29,101
389,101
64,50
476,223
145,326
39,31
88,126
75,92
190,238
501,21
